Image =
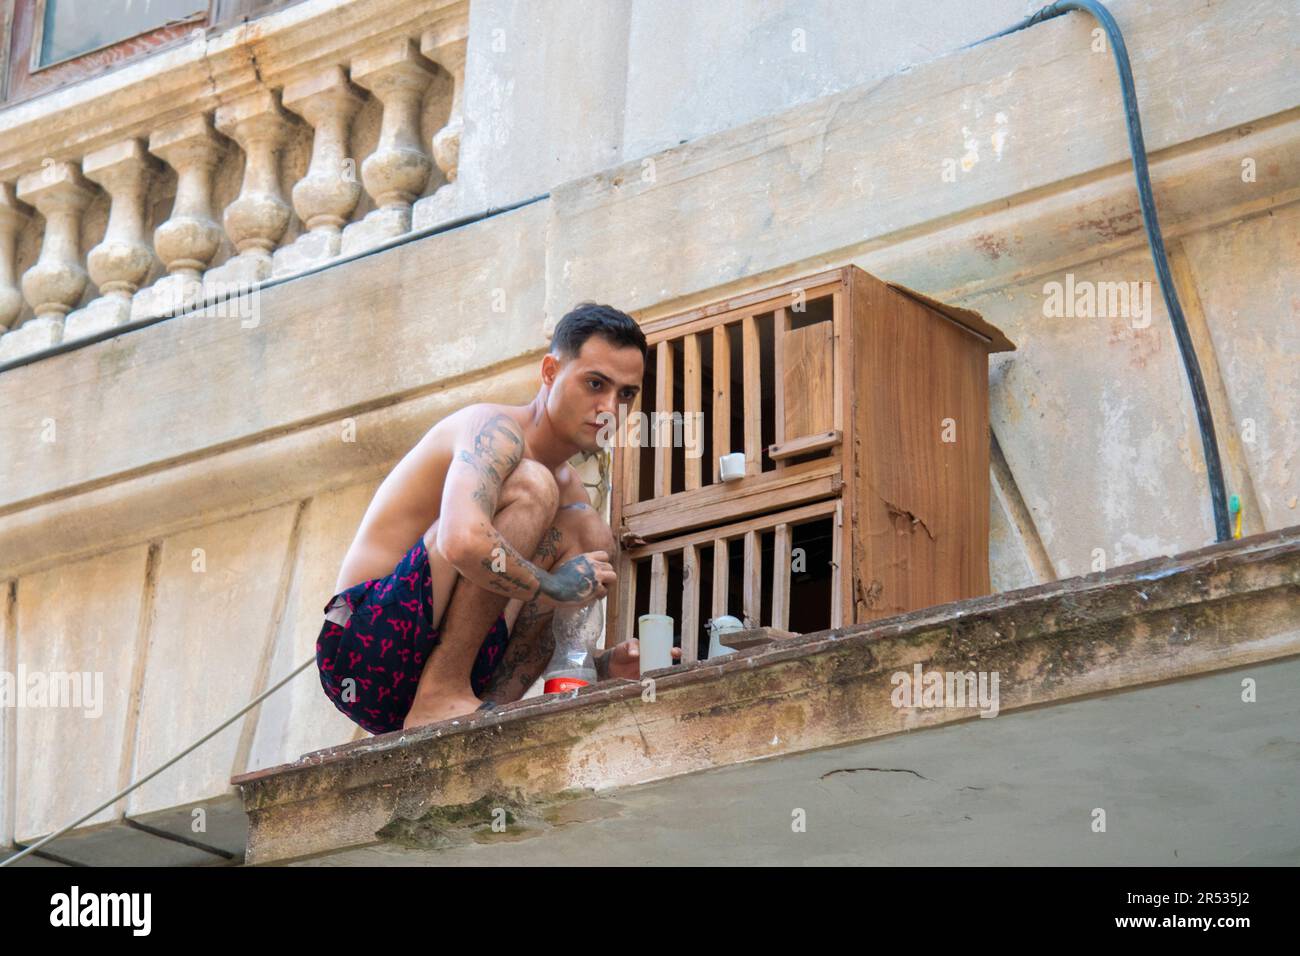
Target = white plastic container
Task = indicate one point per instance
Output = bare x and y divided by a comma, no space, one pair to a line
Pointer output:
717,628
732,467
655,632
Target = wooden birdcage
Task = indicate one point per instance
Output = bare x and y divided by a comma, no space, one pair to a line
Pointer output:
862,411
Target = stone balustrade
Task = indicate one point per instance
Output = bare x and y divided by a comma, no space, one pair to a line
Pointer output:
244,208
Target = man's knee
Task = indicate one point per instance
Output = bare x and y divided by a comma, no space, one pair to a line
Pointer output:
580,531
601,539
531,482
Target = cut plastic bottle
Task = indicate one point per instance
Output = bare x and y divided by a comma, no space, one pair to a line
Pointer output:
573,665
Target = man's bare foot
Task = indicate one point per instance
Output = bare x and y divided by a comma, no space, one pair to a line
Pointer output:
442,707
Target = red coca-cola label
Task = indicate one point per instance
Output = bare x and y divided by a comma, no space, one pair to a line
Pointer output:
556,685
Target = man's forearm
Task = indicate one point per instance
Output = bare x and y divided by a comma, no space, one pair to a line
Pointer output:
495,565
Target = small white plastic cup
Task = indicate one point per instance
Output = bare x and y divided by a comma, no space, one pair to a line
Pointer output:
732,467
655,632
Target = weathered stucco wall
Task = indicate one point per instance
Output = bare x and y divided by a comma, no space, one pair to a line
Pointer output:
202,443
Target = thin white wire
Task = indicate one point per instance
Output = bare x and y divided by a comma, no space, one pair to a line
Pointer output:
202,740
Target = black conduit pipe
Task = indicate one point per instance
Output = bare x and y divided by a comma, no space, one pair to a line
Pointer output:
1204,418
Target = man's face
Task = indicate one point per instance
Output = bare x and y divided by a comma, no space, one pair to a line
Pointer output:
589,388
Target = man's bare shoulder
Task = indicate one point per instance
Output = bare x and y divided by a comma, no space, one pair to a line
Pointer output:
422,471
462,425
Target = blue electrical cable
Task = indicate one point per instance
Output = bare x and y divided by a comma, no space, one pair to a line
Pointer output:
1186,349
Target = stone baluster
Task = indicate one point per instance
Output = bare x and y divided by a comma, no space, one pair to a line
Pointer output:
258,217
445,47
121,262
190,237
398,170
326,196
56,282
14,215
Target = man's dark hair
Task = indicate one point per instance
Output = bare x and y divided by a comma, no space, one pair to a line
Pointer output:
587,319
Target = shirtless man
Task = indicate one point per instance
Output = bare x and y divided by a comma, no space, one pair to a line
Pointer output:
503,535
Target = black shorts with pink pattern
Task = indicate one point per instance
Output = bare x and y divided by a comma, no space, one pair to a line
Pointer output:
376,638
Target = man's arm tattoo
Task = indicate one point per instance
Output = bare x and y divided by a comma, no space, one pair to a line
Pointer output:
550,544
574,579
503,578
498,448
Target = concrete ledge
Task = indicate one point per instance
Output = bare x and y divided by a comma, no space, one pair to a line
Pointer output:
1189,773
1170,618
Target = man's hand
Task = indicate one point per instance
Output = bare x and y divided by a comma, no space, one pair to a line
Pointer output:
580,580
624,660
